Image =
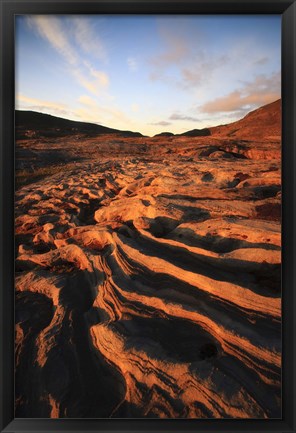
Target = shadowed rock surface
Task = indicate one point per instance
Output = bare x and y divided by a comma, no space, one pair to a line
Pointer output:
148,277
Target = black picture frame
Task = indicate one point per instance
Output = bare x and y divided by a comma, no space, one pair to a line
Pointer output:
287,8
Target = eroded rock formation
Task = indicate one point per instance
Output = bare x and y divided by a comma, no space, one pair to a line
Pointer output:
148,283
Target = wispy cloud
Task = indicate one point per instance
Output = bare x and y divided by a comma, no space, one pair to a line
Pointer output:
160,123
176,51
262,90
262,61
95,81
87,100
92,110
183,63
202,69
51,29
174,116
24,102
132,64
178,116
195,68
87,38
61,36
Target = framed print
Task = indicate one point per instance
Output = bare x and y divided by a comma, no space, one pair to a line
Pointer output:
147,216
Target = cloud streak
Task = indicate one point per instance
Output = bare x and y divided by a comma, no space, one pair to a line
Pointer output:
175,53
178,116
202,69
262,90
61,38
94,81
132,64
262,61
87,38
92,111
23,102
160,123
51,30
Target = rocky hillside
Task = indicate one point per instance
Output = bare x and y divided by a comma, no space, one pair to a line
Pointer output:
263,123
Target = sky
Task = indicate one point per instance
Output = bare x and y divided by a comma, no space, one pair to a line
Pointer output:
148,73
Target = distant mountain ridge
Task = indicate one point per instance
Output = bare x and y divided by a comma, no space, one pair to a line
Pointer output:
264,122
192,133
31,124
197,133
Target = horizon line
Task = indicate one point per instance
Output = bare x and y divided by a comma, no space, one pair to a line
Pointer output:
145,135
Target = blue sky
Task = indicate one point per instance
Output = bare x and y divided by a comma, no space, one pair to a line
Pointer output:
148,73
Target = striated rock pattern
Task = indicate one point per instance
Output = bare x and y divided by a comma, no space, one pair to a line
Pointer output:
149,286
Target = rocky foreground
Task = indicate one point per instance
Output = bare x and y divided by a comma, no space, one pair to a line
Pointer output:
148,283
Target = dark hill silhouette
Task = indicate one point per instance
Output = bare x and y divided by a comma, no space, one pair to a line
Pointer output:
34,124
164,134
196,133
193,133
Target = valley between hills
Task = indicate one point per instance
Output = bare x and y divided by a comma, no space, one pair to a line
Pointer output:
148,270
